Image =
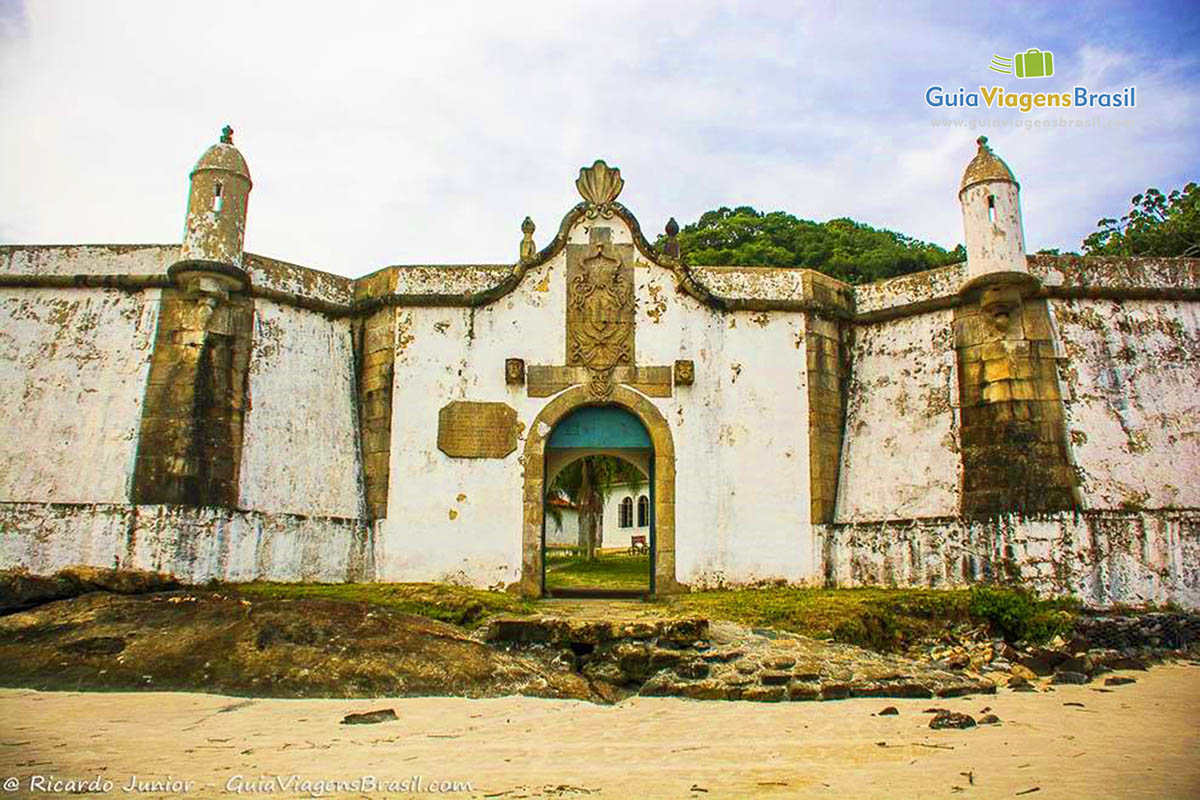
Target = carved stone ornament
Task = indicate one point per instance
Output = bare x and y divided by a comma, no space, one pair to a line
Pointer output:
599,185
685,372
600,334
514,371
999,304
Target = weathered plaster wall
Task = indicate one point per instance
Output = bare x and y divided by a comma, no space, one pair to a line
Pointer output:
900,458
195,544
268,273
741,431
1101,556
73,366
300,454
88,259
1132,373
460,519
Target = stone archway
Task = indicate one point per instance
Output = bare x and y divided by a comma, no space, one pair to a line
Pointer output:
535,476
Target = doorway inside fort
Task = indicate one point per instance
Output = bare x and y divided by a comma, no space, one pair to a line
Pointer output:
598,521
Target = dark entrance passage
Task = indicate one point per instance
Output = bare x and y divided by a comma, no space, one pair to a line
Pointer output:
598,537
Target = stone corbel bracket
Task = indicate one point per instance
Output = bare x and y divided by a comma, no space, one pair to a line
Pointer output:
1000,295
210,279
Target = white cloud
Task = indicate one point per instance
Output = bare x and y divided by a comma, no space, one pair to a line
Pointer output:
385,133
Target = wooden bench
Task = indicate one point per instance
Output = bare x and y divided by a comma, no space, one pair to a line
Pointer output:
638,546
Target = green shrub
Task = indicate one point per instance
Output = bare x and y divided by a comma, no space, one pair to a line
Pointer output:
1020,615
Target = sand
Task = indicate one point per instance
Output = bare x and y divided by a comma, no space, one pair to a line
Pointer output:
1139,740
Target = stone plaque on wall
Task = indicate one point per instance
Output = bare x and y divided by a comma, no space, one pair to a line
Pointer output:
477,430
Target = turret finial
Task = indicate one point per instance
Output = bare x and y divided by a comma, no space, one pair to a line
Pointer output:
982,142
528,248
671,248
227,135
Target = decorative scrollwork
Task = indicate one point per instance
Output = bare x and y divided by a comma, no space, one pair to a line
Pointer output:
600,383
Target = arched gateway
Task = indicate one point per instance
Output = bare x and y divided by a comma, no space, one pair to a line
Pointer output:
549,446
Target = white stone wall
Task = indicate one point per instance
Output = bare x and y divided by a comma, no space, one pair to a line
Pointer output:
73,365
459,519
746,416
88,259
741,436
300,449
1132,373
193,544
900,454
1103,557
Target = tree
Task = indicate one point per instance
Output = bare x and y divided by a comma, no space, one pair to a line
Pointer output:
587,482
1156,225
847,250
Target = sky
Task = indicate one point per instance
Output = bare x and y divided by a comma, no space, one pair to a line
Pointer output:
423,133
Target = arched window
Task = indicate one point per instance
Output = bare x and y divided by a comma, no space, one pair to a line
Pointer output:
643,511
625,513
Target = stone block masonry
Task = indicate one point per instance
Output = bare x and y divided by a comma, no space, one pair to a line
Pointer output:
375,352
827,374
1015,453
190,442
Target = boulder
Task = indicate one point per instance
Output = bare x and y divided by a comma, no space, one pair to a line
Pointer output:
951,719
1067,676
371,717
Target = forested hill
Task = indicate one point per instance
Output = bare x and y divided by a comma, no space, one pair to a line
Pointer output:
849,251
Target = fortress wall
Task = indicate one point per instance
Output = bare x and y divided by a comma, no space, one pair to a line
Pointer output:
1103,557
741,431
460,519
1128,336
900,457
280,276
88,259
73,366
1131,370
299,452
194,544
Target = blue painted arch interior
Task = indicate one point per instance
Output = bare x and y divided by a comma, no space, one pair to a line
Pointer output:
602,427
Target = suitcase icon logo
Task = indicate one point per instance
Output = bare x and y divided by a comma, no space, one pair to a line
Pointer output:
1033,63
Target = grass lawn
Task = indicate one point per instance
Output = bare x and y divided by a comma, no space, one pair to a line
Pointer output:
607,571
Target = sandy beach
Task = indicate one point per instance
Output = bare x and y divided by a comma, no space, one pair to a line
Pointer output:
1138,740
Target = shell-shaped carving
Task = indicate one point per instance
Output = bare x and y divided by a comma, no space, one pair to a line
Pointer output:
599,184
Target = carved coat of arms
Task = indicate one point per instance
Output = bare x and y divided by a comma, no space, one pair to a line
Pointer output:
601,330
